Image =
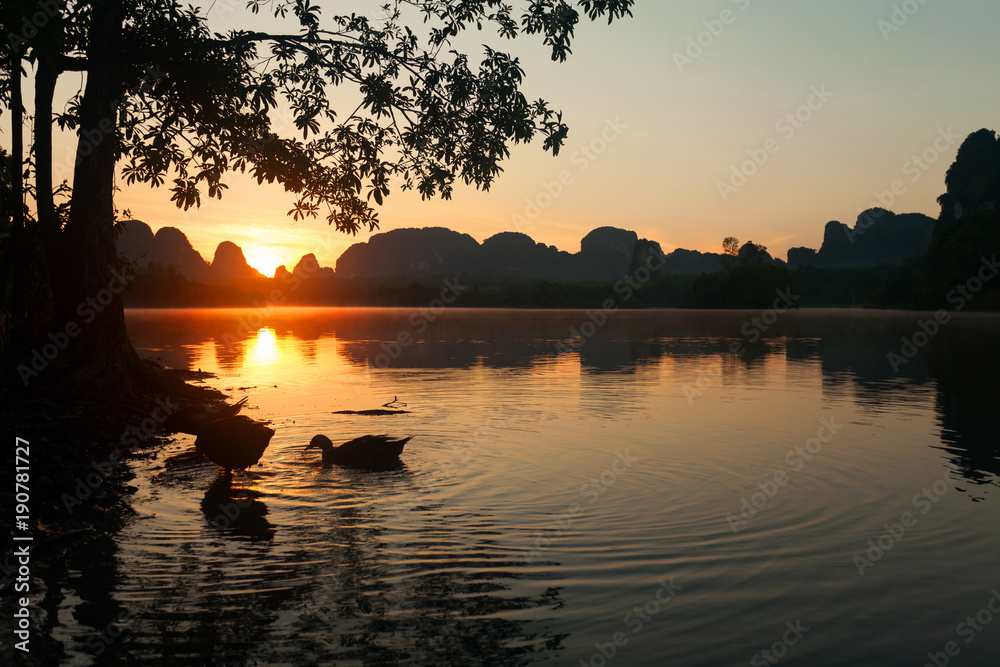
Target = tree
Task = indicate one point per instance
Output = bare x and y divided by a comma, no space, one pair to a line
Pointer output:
957,254
753,254
749,254
730,251
749,278
169,100
731,246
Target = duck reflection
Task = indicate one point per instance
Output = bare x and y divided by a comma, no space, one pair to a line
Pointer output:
236,510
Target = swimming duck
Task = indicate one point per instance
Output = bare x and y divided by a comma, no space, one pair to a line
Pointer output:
194,418
369,452
234,442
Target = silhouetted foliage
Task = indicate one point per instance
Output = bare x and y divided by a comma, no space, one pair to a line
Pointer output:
6,194
958,255
730,252
859,287
427,116
753,254
731,246
749,254
177,104
742,286
973,180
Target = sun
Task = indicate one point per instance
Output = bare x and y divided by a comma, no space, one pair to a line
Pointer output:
263,259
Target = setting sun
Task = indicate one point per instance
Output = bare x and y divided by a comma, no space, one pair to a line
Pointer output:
263,260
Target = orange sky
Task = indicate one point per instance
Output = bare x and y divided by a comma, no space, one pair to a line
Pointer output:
665,130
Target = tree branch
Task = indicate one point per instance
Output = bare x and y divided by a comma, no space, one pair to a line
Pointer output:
71,64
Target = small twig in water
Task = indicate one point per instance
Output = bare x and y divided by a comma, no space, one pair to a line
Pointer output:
393,403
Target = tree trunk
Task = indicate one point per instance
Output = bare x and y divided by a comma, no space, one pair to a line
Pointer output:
45,237
19,327
87,291
45,85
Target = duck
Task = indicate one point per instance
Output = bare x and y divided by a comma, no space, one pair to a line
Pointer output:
234,442
369,452
194,418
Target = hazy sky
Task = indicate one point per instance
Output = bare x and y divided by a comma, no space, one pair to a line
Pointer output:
671,108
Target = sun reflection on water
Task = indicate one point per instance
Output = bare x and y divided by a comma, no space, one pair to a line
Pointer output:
263,349
509,434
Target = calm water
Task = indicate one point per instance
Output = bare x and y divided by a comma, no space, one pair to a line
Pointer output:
554,506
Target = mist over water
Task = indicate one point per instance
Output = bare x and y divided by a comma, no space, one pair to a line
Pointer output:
648,495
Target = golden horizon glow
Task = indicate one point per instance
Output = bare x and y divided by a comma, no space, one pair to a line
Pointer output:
263,259
652,136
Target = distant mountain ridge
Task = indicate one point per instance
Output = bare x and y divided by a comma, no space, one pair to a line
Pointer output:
885,260
170,247
606,253
878,237
973,180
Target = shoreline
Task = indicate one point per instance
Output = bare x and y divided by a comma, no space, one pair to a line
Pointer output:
568,309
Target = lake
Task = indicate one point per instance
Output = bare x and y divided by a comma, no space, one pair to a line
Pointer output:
633,488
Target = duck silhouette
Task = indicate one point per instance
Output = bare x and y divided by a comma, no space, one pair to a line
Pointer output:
234,442
194,418
369,452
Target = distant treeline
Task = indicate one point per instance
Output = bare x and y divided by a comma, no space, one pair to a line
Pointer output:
156,287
